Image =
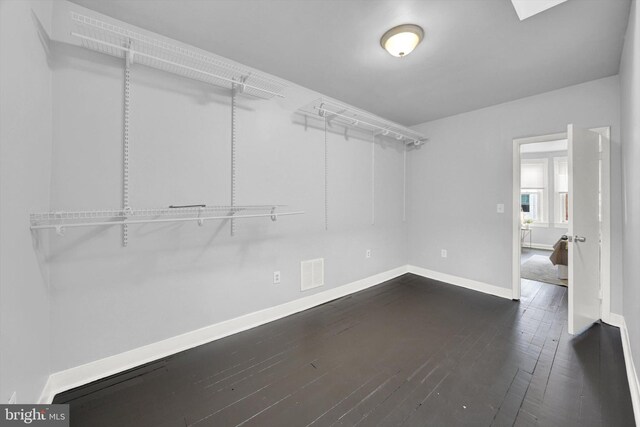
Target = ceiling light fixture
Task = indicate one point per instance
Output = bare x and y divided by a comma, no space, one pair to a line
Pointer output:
401,40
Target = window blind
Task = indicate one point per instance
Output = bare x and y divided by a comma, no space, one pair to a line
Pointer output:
532,175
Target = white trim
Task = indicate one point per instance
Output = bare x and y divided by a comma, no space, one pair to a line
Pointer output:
539,225
605,244
538,246
48,393
632,373
92,371
614,319
516,226
462,282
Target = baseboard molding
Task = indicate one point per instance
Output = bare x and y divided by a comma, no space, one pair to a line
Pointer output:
539,246
613,319
632,374
462,282
48,393
87,373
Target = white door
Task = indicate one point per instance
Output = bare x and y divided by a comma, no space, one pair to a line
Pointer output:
584,229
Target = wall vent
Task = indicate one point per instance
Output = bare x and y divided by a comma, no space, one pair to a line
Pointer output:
312,273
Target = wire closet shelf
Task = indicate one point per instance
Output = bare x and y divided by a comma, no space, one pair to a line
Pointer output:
335,112
173,58
68,219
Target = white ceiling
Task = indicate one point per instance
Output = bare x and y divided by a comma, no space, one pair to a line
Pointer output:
476,53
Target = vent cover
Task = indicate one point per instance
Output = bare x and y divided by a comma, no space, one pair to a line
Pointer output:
312,273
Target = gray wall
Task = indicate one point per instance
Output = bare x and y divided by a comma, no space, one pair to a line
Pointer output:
172,279
457,179
630,89
547,235
25,168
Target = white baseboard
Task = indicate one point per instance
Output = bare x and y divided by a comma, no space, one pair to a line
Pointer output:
84,374
613,319
632,374
463,282
48,393
538,246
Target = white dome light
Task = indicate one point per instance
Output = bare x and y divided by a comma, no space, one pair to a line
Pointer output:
401,40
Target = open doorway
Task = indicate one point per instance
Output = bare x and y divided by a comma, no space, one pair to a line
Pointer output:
543,240
544,216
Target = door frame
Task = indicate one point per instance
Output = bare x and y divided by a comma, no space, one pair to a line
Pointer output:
605,245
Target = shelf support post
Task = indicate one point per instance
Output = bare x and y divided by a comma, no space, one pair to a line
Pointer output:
326,176
234,89
404,183
373,178
125,140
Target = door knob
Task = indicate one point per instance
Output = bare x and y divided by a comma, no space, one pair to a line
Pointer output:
579,239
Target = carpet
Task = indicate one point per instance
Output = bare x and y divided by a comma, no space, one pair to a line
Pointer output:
539,268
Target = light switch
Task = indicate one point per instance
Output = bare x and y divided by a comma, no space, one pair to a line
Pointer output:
500,208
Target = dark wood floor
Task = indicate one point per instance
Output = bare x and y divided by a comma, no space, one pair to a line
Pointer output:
409,352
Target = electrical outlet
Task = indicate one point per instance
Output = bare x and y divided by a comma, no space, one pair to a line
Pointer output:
500,208
368,253
443,253
276,277
13,399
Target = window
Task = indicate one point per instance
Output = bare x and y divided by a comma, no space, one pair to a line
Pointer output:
533,190
531,205
561,190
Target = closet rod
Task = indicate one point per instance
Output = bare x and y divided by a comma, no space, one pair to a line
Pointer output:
355,122
273,216
186,67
